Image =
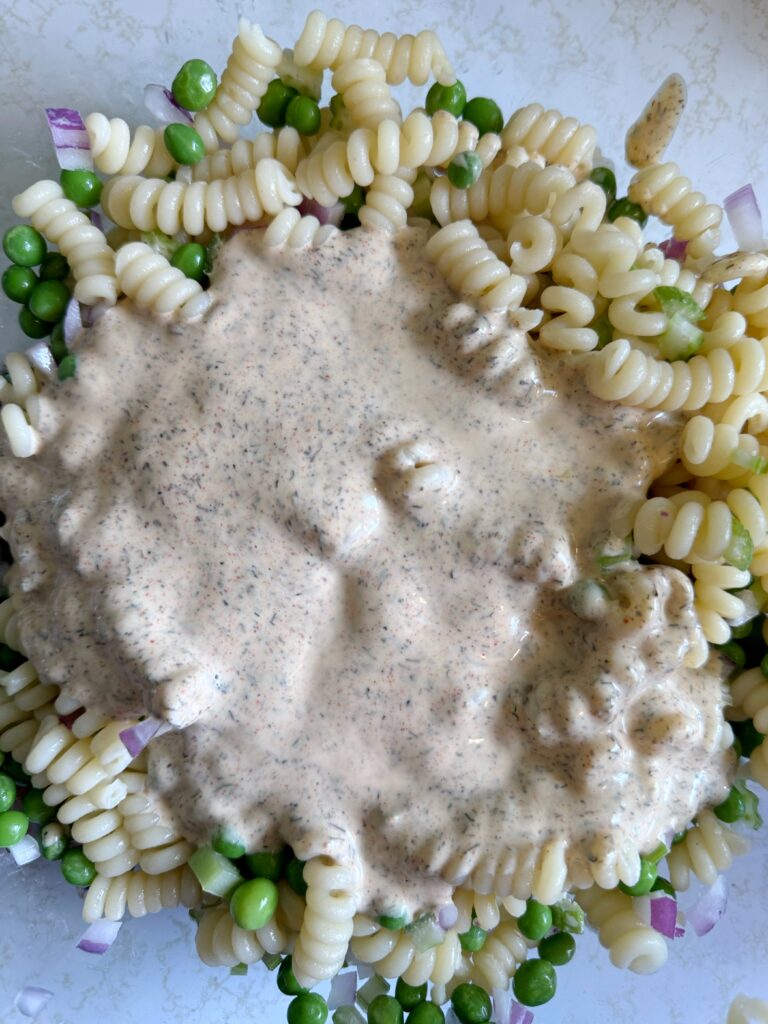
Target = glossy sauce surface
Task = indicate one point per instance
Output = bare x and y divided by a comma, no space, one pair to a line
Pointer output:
338,534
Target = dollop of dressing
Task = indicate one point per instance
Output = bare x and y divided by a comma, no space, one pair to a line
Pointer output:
338,534
652,132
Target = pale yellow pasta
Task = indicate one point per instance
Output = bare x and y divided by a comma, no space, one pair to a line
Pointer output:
250,68
114,151
715,606
751,300
221,942
137,894
758,763
149,279
284,145
502,953
546,133
708,849
291,229
362,85
328,43
471,268
630,942
744,1010
387,201
331,903
749,699
662,190
568,332
687,526
90,258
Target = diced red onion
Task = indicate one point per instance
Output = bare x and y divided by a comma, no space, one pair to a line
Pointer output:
70,719
343,990
674,248
25,851
325,214
31,1000
99,936
160,103
41,357
447,916
679,927
664,914
70,138
518,1014
708,910
91,314
95,218
364,971
745,218
73,321
138,736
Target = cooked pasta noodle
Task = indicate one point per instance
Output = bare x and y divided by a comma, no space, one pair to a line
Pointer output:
662,190
471,267
115,152
150,280
250,68
708,848
290,228
331,904
138,893
546,133
363,86
629,942
284,145
502,953
387,201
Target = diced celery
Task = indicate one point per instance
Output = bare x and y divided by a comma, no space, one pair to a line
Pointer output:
741,549
675,302
567,916
214,872
681,340
375,986
751,810
347,1015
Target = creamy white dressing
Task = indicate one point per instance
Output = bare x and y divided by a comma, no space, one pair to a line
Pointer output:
337,534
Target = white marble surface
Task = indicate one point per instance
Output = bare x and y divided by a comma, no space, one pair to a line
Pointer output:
599,60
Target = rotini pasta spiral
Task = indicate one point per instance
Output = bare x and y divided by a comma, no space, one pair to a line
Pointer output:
758,763
560,140
138,893
662,190
250,68
160,846
749,698
688,526
708,848
90,258
471,268
394,955
284,145
172,206
115,152
326,43
629,942
387,201
569,331
363,86
751,300
715,606
503,952
290,228
332,894
220,942
149,279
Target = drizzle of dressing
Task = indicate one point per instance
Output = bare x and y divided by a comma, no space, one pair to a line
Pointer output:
338,534
652,132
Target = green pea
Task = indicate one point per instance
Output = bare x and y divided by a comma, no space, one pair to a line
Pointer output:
534,983
184,143
253,903
294,873
385,1010
18,282
410,995
194,85
54,267
734,652
744,630
286,979
7,793
471,1004
484,114
226,842
558,948
465,169
662,885
748,736
426,1013
274,103
452,98
68,367
308,1008
303,114
732,808
678,837
57,344
764,665
393,922
48,301
190,259
644,884
81,186
353,201
36,809
603,327
77,868
32,325
626,208
606,179
473,939
13,827
536,921
267,864
24,245
54,840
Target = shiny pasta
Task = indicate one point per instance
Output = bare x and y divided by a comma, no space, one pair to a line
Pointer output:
115,151
708,849
331,904
149,279
630,943
137,894
663,191
560,140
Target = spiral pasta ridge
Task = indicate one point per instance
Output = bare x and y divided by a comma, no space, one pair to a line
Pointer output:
137,894
363,86
115,152
328,43
221,942
331,904
708,849
471,268
663,191
149,279
560,140
387,201
284,145
630,942
90,258
291,229
250,68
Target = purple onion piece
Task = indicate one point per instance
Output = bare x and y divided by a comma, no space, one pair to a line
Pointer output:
745,218
73,321
325,214
30,1000
664,914
95,218
343,990
91,314
41,357
138,736
447,916
25,851
160,103
99,936
674,249
70,138
708,910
